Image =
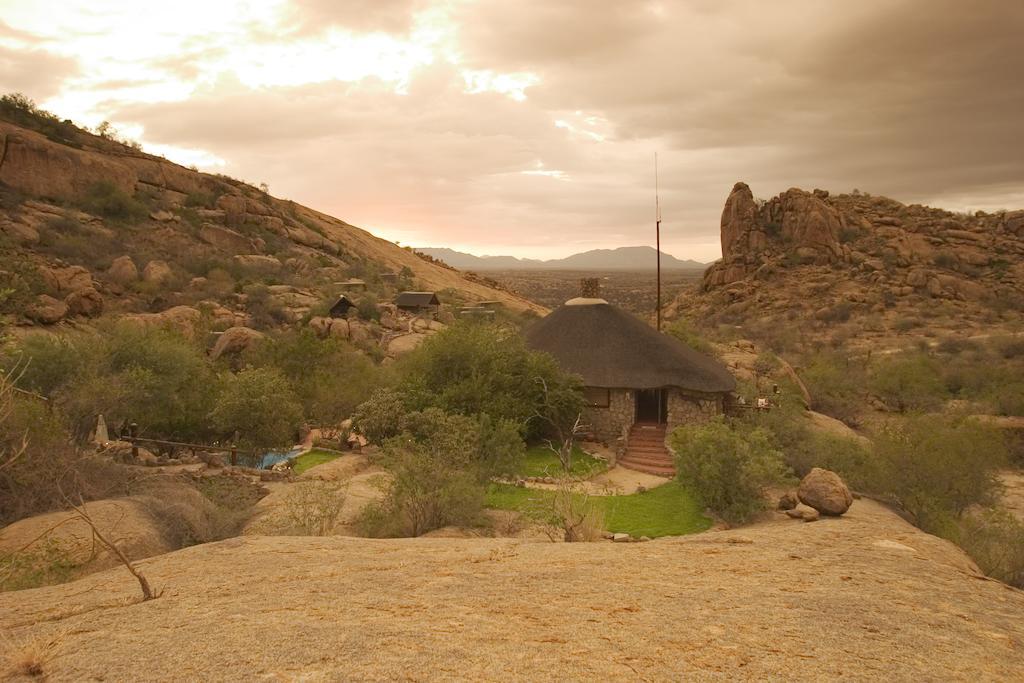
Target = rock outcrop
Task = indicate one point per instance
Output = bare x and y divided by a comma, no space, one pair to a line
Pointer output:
823,259
867,597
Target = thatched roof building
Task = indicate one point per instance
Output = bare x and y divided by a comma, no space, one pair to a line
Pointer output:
639,383
611,348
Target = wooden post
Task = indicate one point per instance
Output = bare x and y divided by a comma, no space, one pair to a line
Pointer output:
234,454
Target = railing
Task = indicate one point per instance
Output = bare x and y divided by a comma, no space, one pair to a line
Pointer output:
135,440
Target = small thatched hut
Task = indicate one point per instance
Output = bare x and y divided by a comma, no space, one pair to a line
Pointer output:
341,307
632,373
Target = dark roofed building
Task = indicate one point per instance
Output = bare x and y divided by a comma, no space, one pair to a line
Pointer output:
417,302
639,384
341,306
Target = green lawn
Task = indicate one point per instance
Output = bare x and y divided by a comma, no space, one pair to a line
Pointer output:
312,458
668,510
541,461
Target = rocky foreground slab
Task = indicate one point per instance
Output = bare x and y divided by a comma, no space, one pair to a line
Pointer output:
863,596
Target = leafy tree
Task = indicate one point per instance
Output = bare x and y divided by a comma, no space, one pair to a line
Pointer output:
330,377
728,468
381,416
473,367
259,405
154,377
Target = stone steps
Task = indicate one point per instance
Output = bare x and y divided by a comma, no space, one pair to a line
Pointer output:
646,451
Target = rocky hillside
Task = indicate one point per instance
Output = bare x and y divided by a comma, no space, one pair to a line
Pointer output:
861,597
89,225
887,267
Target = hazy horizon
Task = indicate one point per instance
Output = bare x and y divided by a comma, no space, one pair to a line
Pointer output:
489,128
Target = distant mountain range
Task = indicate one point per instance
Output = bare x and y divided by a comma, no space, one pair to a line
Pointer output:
623,258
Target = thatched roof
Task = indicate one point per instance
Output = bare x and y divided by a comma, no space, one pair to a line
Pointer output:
610,348
416,300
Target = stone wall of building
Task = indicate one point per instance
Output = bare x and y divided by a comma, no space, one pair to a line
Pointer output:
686,408
607,423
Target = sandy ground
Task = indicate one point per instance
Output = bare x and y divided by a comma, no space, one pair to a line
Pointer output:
865,596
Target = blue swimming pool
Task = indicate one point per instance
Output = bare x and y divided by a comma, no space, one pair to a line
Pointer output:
270,459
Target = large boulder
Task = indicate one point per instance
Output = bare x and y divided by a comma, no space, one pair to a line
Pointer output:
67,279
825,491
157,272
224,238
235,340
46,310
403,344
87,302
183,319
123,270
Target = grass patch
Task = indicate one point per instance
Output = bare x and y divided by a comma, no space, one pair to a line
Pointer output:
312,458
541,461
669,510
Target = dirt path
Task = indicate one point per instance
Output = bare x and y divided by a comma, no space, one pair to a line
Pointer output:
863,597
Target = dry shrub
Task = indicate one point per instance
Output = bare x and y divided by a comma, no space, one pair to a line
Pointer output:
507,523
995,540
38,464
576,516
313,508
28,658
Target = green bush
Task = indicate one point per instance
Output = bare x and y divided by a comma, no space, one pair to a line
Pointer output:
803,447
19,279
367,307
105,199
685,332
935,468
329,376
728,468
836,385
380,417
439,466
908,382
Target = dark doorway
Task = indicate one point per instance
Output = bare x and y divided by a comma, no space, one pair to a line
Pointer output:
651,406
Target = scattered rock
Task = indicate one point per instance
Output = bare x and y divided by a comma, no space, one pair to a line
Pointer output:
46,310
788,501
86,302
825,491
621,538
804,512
162,216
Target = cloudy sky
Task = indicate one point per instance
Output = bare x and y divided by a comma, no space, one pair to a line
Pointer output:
529,127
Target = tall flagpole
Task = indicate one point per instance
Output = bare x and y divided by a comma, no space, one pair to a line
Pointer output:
657,235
